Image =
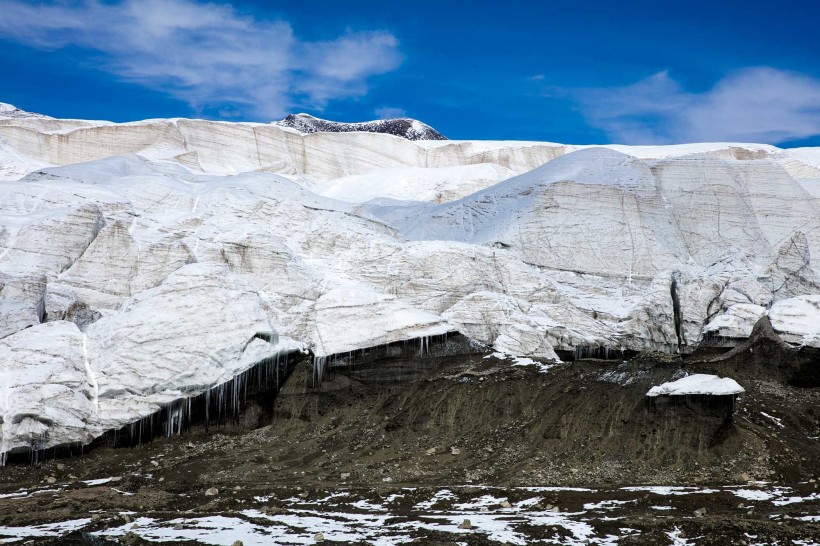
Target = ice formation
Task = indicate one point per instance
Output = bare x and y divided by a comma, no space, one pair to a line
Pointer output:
698,384
144,263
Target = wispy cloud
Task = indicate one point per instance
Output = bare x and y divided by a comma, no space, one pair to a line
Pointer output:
390,112
206,54
750,105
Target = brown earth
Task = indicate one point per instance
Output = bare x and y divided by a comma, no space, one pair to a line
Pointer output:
391,419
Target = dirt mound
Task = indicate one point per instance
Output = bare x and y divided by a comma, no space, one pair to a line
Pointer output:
389,419
765,356
478,420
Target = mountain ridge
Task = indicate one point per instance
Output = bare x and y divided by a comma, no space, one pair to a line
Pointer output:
408,128
10,111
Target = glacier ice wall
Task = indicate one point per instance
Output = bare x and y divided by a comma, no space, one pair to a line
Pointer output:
147,262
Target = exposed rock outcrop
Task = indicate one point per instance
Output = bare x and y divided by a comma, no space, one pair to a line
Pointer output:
410,129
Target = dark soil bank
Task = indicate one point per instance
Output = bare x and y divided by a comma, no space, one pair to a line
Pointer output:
392,419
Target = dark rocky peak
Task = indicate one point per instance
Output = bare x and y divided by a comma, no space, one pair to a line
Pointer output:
410,129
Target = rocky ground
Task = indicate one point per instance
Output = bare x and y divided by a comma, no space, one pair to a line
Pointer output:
420,440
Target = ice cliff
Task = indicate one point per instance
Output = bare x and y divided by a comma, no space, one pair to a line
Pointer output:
143,263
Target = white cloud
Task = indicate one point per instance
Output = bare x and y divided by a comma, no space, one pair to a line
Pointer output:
206,54
390,112
750,105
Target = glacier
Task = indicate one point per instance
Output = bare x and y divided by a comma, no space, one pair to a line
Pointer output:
149,262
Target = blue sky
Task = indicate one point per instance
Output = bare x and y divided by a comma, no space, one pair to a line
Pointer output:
593,72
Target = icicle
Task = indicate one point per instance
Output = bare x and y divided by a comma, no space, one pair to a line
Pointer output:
318,369
207,407
227,399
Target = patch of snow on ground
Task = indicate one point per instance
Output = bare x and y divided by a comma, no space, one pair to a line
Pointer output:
45,530
373,523
666,490
484,501
778,496
675,535
369,506
607,504
527,503
124,493
101,481
442,495
550,489
323,500
521,361
794,500
698,384
15,494
754,495
776,420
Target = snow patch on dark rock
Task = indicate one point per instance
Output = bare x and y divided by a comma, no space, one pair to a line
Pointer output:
410,129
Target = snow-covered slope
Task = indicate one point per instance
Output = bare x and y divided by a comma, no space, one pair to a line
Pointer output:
601,211
10,111
430,184
147,262
411,129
